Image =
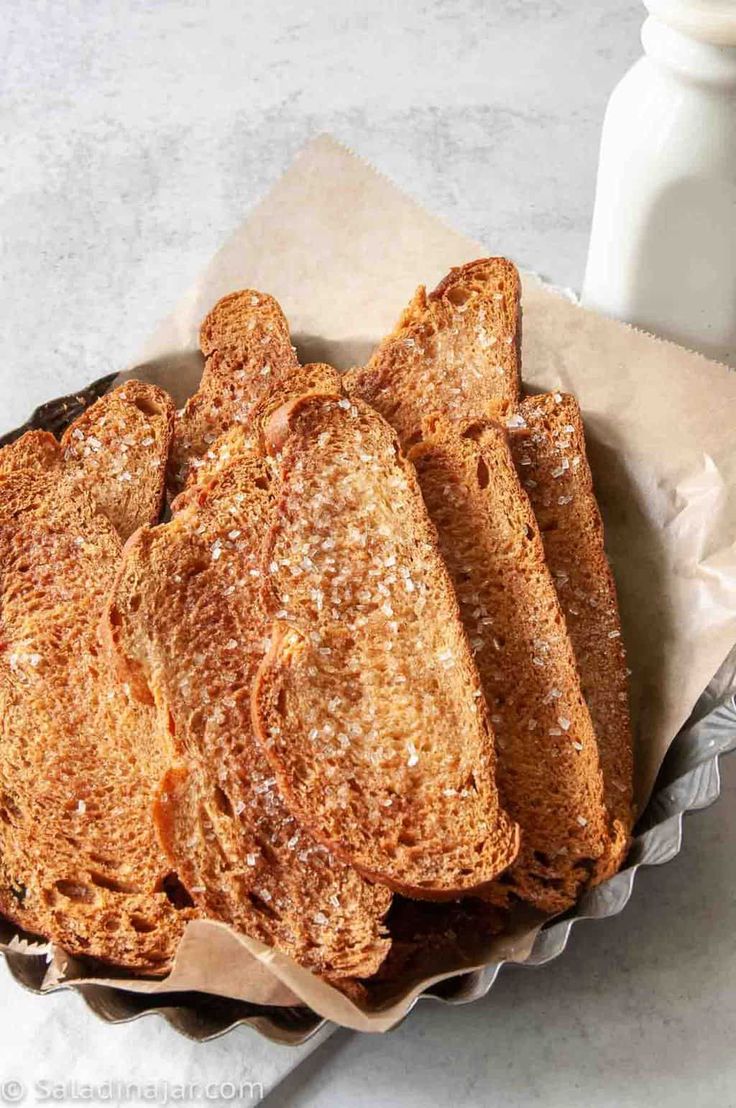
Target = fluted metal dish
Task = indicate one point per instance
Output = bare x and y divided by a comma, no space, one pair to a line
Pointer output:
688,781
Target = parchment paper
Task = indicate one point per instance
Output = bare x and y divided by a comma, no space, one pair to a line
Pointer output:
343,250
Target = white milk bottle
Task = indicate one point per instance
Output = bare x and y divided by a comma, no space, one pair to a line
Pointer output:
662,250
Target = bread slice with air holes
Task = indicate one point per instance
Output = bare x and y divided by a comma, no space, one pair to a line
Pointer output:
118,450
79,860
604,672
548,443
315,377
247,346
186,627
35,450
455,351
547,770
367,703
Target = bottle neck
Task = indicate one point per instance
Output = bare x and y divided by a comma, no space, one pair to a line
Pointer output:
688,57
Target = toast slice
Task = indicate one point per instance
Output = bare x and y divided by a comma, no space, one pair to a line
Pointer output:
187,628
118,449
299,381
455,351
548,771
367,703
247,347
79,859
35,450
548,443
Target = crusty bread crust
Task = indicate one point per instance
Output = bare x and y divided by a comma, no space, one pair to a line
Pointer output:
547,770
455,352
186,628
368,704
79,861
548,443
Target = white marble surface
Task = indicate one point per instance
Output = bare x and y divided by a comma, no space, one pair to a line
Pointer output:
55,1039
137,134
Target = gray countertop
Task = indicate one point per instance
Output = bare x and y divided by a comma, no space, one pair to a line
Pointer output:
137,135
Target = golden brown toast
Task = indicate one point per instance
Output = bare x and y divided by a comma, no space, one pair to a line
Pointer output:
247,347
248,435
187,629
455,351
118,448
547,770
548,444
429,390
79,860
35,450
367,703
